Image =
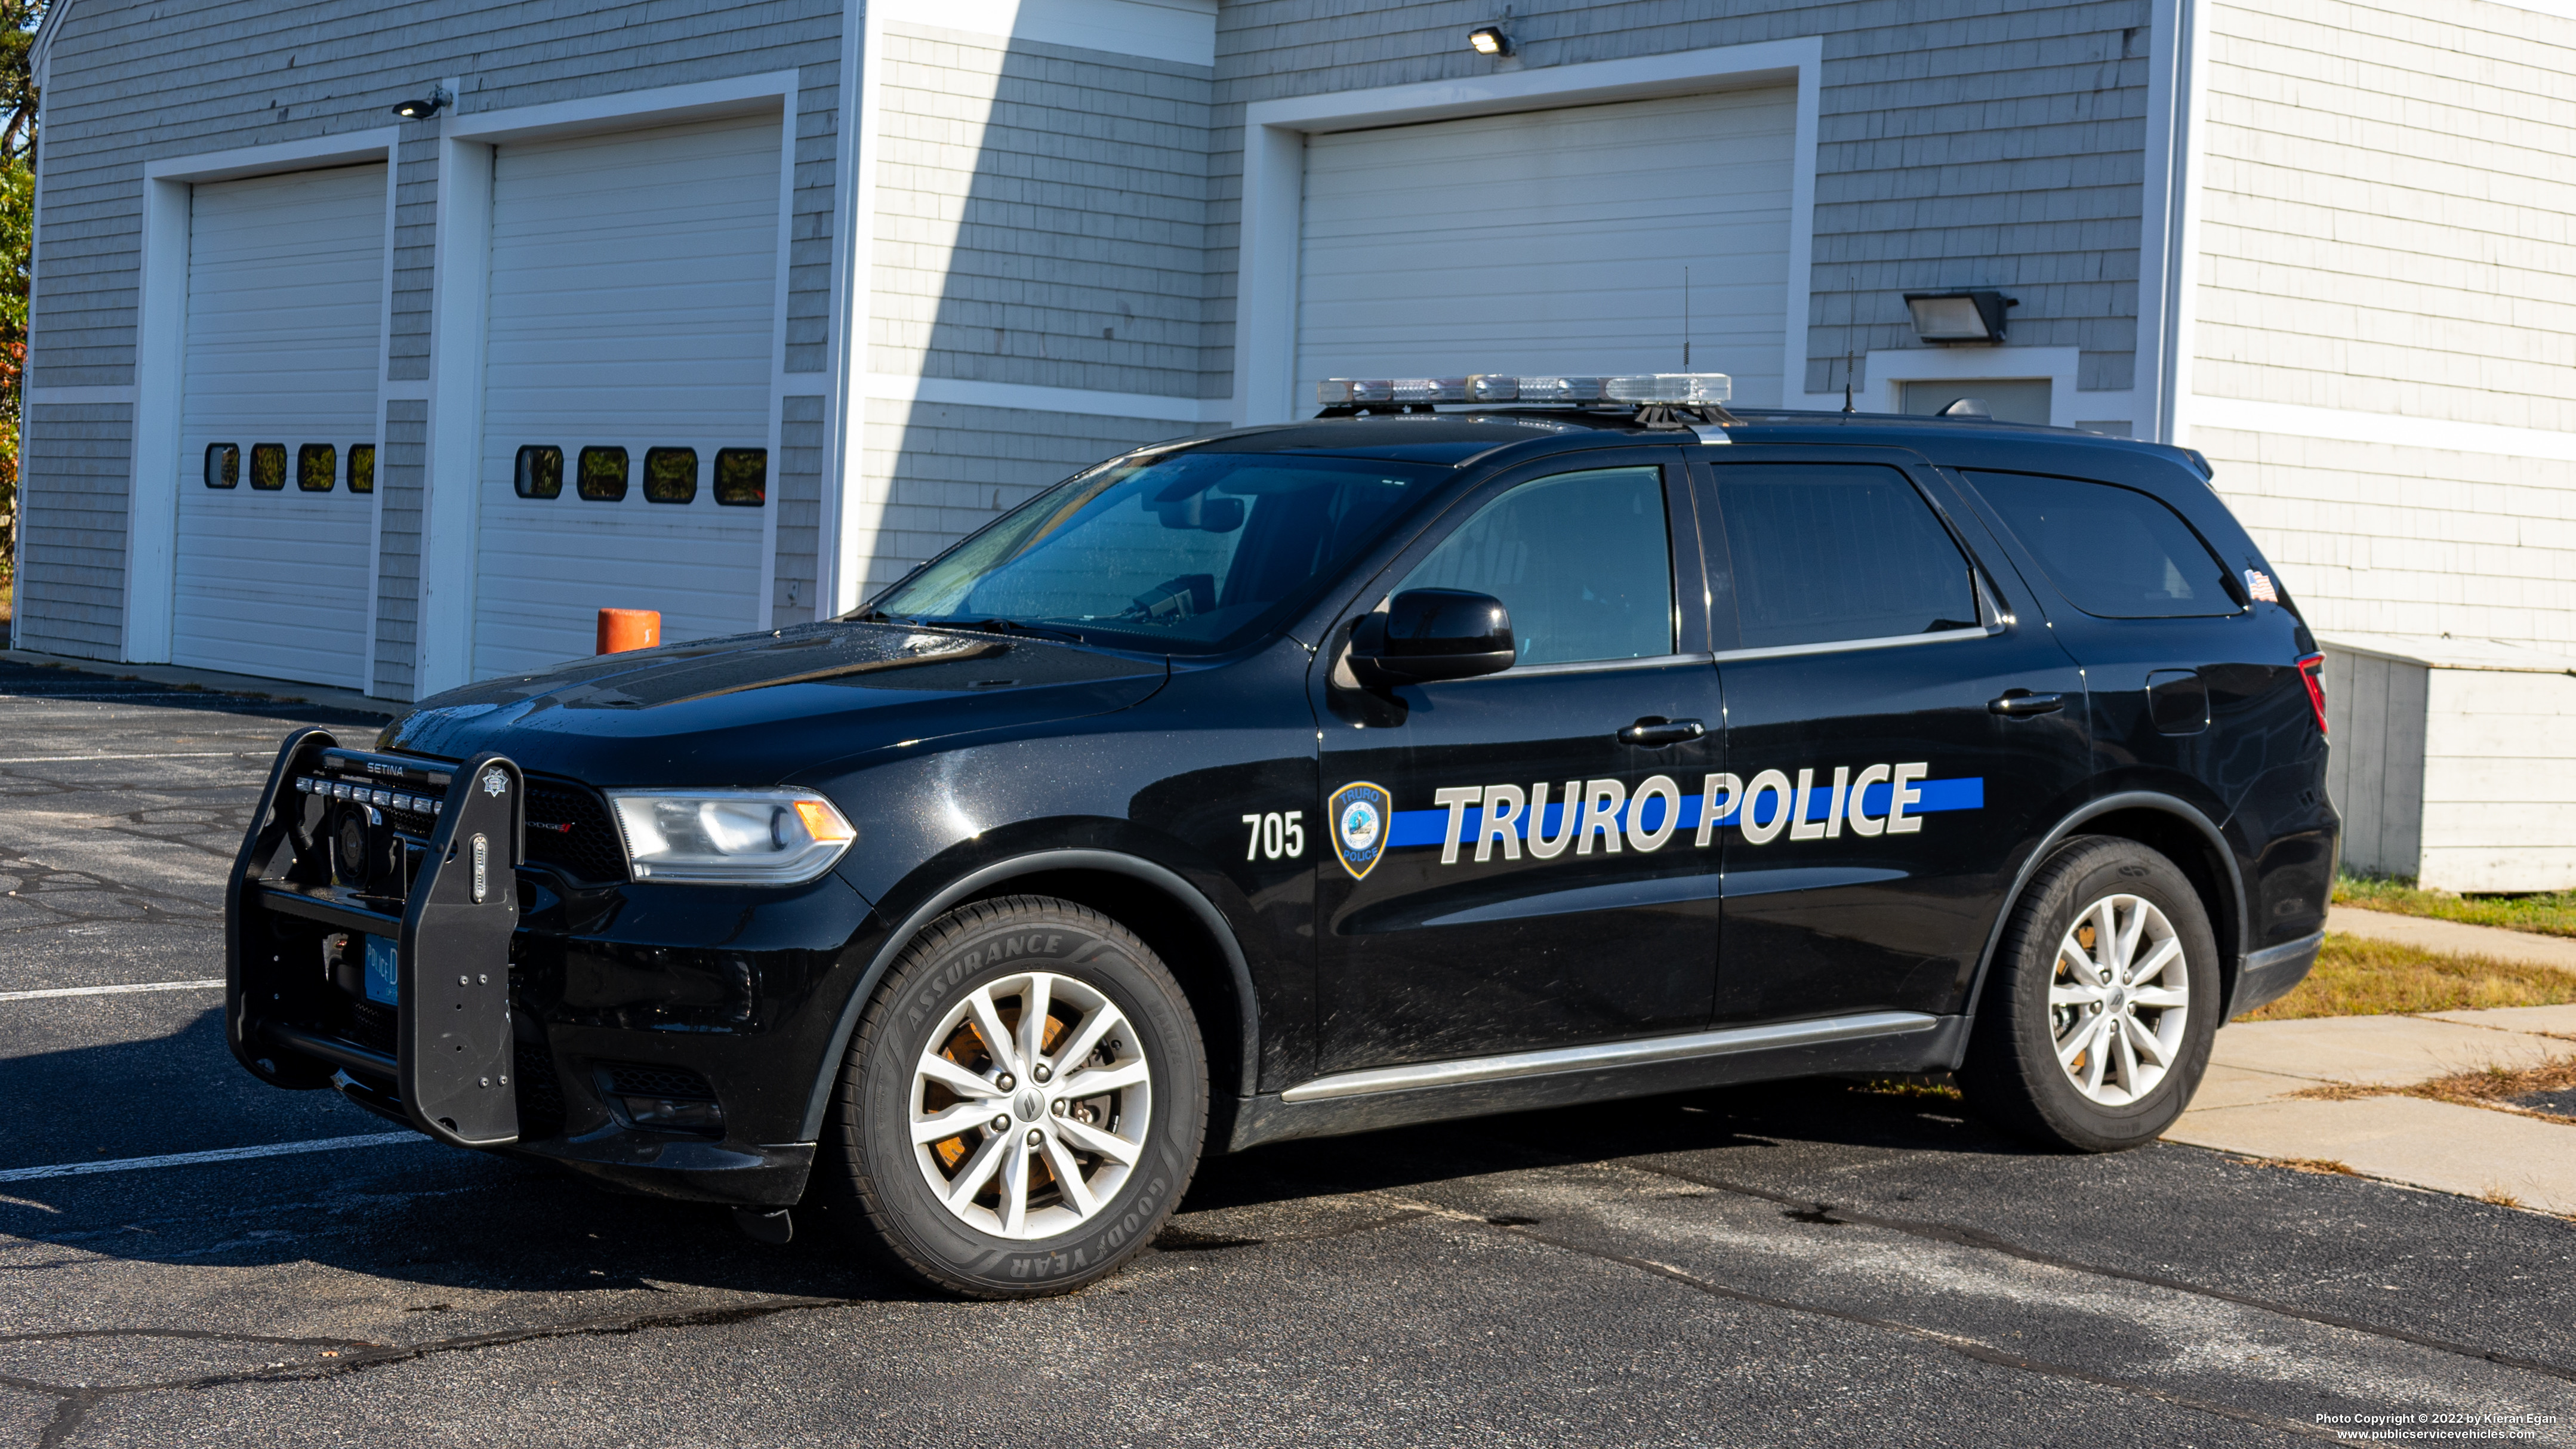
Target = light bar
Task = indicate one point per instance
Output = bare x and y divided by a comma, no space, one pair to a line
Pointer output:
362,795
1495,387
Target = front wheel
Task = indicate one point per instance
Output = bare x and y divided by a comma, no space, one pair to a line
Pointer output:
2101,1003
1022,1104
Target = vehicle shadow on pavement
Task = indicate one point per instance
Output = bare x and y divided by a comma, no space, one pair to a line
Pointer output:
1755,1122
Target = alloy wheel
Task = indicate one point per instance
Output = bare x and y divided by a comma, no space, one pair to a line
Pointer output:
2119,999
1030,1106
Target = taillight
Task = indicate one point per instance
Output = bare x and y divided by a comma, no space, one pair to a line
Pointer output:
2312,673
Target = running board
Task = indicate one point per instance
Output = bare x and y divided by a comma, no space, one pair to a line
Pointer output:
1865,1042
1723,1042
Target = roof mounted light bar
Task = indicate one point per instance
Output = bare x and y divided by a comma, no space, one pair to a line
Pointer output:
1495,387
1665,401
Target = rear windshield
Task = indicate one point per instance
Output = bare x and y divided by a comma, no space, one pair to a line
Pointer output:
2113,552
1184,553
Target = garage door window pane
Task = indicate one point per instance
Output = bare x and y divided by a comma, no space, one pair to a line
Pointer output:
1583,561
670,475
268,466
317,467
362,467
2112,551
223,465
1828,553
603,474
742,477
538,473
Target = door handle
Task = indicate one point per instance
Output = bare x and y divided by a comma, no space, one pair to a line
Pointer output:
2022,704
1654,732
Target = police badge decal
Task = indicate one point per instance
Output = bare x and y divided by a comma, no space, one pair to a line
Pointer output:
1361,815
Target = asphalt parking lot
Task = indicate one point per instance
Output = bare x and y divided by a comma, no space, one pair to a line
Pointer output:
1809,1262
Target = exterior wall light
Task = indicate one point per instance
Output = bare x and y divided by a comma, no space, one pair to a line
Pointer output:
1489,40
427,106
1959,316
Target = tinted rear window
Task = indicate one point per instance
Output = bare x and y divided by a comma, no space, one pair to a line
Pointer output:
2113,552
1831,552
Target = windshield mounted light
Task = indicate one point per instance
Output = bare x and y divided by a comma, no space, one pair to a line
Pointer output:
729,837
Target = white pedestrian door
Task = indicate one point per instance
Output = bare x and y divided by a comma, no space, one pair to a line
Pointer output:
626,387
285,326
1552,242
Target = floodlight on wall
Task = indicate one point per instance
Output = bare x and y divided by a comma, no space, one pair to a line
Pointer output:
1959,316
427,106
1489,40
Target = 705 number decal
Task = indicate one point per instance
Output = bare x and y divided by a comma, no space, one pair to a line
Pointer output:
1276,834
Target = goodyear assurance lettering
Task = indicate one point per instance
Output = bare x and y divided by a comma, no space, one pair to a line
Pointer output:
1585,817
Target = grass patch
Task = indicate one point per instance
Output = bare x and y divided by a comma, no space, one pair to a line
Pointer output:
2550,914
2359,977
2493,1087
1936,1086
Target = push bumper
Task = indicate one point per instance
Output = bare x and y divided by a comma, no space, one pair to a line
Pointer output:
358,860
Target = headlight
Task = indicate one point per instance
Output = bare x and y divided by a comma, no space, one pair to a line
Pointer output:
751,837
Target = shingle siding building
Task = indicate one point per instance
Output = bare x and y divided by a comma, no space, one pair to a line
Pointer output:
738,310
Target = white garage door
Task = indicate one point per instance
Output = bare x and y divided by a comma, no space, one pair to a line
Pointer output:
627,384
1552,241
286,311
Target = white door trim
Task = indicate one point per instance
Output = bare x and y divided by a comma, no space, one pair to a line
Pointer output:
1274,145
448,540
840,569
1889,369
160,342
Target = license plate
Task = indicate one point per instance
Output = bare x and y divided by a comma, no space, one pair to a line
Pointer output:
381,972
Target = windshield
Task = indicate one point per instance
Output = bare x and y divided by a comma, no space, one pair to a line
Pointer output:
1186,552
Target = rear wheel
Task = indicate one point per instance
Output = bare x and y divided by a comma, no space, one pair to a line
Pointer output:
1022,1104
2097,1017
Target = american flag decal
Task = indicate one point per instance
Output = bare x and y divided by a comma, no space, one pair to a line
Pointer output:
2259,585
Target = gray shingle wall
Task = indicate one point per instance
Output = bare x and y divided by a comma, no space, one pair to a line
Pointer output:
797,493
71,597
1959,142
933,472
151,79
401,461
1040,215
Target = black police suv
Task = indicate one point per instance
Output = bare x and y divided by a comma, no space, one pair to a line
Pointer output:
1400,764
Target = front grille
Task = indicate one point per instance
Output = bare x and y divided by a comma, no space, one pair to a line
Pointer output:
569,829
372,1025
633,1079
541,1101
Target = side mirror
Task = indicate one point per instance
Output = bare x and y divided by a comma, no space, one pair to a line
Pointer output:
1434,634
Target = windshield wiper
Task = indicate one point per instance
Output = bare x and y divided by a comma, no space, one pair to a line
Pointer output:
1014,626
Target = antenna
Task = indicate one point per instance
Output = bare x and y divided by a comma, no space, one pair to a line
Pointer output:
1685,318
1847,372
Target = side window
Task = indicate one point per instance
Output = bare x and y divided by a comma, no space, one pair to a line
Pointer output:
1827,552
2113,552
1583,561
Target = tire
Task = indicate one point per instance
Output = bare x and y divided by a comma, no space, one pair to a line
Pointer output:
2040,1062
1019,1229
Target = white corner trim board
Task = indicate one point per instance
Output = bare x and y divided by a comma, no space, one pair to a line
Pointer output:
1174,30
959,392
2391,429
1274,143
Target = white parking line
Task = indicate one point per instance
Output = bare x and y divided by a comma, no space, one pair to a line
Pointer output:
69,759
228,1154
109,990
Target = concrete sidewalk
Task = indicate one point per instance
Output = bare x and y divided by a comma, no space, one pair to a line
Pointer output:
2246,1102
2426,933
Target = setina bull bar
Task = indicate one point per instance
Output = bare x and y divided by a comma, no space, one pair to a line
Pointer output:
369,875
